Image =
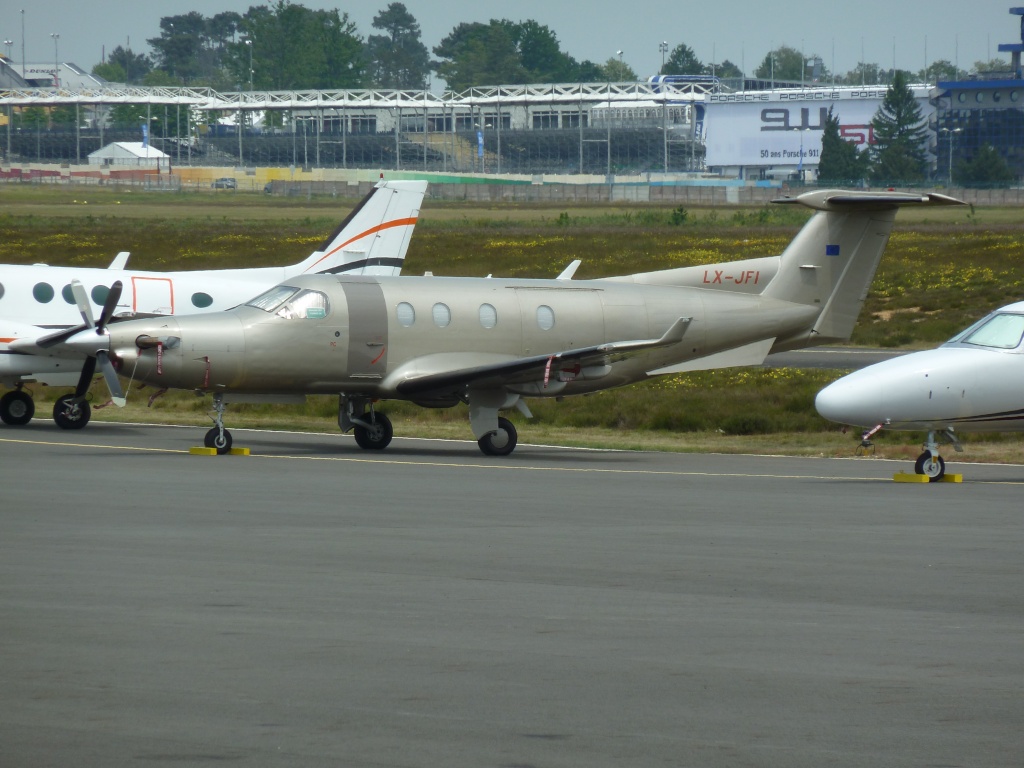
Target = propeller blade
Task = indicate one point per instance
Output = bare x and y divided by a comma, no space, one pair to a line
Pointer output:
45,342
110,304
85,380
82,302
110,376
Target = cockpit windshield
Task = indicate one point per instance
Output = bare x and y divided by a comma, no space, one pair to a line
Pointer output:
274,298
1000,331
292,303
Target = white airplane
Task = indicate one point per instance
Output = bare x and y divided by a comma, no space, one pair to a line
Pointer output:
36,300
489,342
972,383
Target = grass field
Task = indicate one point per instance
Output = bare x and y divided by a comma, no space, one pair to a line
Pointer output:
943,269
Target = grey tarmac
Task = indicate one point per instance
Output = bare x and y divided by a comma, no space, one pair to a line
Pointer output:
317,605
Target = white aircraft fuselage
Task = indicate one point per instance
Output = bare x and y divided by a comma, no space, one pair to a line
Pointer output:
972,383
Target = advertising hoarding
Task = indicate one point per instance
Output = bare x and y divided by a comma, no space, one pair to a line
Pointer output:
770,128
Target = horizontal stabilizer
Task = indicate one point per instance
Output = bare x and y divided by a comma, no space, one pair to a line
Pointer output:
840,200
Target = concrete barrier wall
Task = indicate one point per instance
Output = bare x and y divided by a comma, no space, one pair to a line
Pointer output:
561,190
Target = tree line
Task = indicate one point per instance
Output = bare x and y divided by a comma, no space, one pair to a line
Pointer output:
286,46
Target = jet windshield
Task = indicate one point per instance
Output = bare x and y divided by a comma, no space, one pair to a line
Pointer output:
1000,331
292,303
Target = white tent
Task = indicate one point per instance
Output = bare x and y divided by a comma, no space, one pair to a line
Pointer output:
133,154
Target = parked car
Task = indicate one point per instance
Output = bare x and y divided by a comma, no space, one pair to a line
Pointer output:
225,182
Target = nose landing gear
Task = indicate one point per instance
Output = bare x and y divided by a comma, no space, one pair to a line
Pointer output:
218,437
930,463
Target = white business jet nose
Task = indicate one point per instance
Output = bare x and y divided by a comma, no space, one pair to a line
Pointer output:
856,400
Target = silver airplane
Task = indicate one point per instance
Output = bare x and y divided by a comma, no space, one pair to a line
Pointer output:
489,343
969,384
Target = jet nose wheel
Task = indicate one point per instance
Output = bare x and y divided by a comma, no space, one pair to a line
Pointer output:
930,465
16,408
71,413
502,442
221,440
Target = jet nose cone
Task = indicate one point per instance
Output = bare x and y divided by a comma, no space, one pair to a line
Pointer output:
851,400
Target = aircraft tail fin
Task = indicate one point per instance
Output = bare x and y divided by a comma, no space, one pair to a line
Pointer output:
832,260
374,238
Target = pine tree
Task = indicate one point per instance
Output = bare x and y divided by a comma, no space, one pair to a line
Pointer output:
898,156
398,58
840,163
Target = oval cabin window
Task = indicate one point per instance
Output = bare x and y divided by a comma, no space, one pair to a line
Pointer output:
545,317
488,316
43,293
442,315
201,300
406,314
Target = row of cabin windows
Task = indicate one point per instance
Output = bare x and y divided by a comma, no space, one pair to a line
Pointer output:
308,304
44,293
405,313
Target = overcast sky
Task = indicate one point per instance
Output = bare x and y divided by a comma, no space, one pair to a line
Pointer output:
742,31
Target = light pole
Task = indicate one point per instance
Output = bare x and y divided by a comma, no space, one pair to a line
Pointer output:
800,172
248,43
8,43
56,60
952,133
663,47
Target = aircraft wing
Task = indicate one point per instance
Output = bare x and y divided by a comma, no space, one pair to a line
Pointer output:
737,357
529,369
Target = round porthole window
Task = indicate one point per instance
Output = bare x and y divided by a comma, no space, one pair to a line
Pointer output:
201,300
442,315
488,316
1014,95
545,317
68,295
979,97
99,294
961,97
406,314
43,293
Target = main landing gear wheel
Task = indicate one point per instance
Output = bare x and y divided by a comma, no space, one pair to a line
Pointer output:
931,465
71,413
502,442
215,438
377,436
17,408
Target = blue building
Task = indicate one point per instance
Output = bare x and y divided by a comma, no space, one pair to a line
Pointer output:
988,109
